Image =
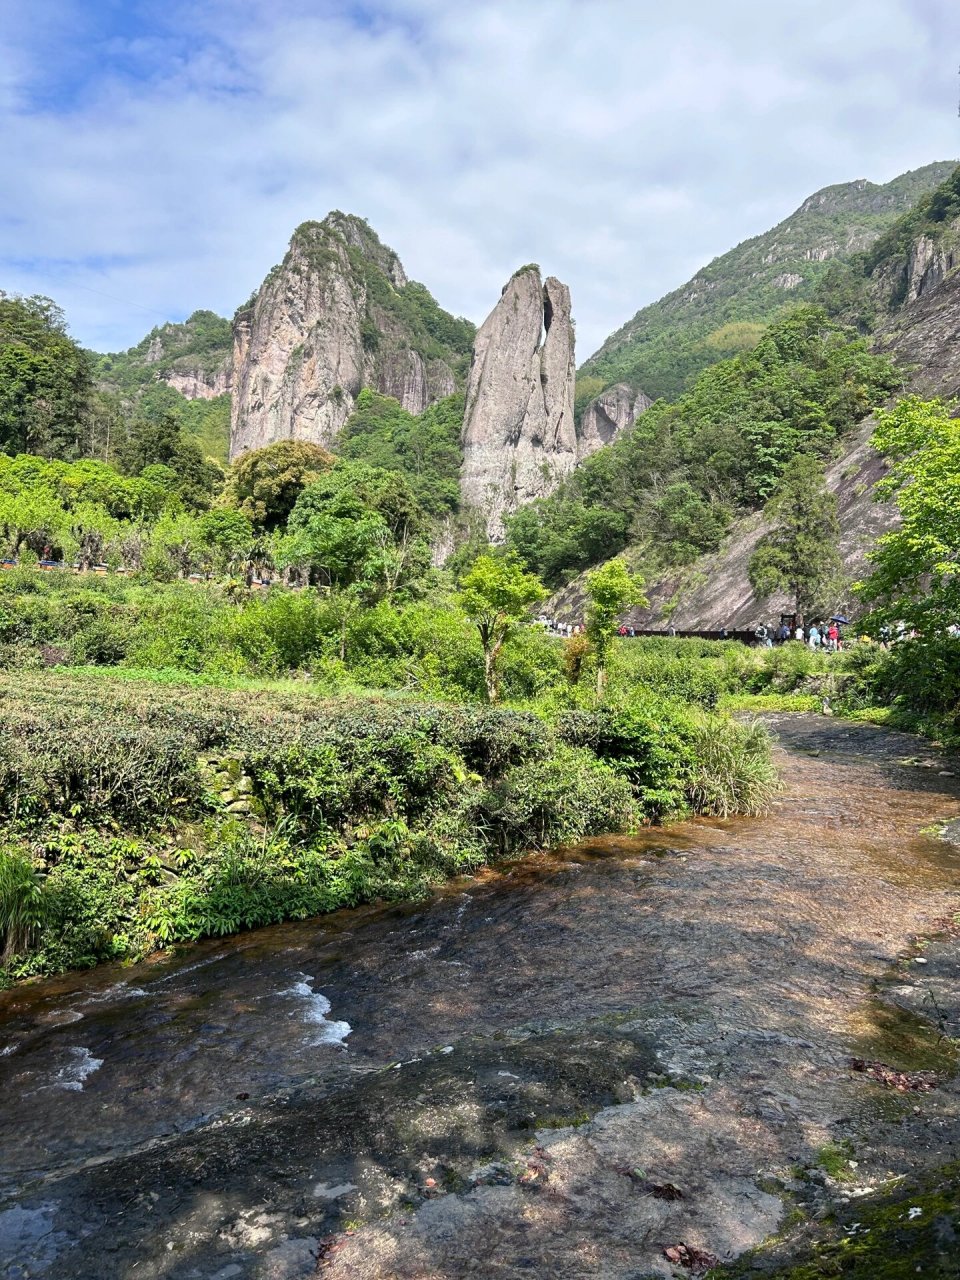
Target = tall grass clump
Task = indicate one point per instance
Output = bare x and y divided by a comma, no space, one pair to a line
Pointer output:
21,902
733,771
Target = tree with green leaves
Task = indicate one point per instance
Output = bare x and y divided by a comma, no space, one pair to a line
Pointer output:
153,442
916,566
496,594
425,449
800,555
611,590
45,380
266,483
227,537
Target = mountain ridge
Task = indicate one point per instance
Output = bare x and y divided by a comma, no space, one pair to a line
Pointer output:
667,342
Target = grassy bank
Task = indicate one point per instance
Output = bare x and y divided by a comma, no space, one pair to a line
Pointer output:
139,813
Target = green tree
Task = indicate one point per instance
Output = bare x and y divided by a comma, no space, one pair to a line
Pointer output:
611,590
496,594
915,575
425,449
266,483
45,381
671,485
33,520
228,538
800,555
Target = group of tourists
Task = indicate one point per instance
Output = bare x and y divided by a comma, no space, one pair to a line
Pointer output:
825,636
557,628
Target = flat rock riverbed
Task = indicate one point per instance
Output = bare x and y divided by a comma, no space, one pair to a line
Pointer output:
561,1068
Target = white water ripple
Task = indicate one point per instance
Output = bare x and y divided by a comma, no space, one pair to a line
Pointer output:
73,1075
317,1006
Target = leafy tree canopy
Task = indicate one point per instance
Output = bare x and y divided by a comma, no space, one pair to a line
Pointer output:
266,483
672,484
44,380
611,590
426,449
800,555
915,576
496,594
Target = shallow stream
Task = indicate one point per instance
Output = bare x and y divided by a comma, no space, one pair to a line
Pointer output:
440,1079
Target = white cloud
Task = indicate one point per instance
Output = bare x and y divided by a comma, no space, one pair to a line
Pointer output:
165,162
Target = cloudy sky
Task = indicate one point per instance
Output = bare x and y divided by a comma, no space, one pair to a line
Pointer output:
156,155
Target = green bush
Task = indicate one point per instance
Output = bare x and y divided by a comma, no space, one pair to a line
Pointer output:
732,771
558,800
150,812
787,666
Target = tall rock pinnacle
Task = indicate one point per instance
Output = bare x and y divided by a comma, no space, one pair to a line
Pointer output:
337,315
519,439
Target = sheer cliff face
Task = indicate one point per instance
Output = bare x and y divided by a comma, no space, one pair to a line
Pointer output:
337,315
608,416
519,439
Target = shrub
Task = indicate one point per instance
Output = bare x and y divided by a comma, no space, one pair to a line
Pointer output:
733,771
22,905
786,667
558,800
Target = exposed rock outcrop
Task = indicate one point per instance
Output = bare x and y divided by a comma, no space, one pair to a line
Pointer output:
337,315
607,416
195,358
199,384
519,438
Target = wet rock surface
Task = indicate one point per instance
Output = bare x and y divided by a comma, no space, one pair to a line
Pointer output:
589,1064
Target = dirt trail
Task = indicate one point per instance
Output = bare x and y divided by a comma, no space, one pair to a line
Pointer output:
564,1070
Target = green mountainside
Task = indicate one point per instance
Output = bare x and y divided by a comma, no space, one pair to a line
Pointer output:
181,371
910,259
724,308
202,345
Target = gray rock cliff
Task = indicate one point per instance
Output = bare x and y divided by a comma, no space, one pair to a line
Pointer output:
519,439
607,416
337,315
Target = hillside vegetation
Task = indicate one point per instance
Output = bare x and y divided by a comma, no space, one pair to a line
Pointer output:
875,284
671,486
204,341
724,308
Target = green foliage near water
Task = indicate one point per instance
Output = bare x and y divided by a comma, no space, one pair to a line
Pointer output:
914,578
139,814
671,486
496,595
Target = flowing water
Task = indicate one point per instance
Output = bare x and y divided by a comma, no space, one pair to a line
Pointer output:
461,1084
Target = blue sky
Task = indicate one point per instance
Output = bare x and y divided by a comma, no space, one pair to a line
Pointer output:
157,156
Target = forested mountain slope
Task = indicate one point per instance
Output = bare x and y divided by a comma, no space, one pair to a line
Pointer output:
724,308
904,295
194,358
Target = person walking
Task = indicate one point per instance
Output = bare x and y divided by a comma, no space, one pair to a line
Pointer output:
815,637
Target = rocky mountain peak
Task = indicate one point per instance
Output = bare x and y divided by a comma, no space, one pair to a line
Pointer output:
519,438
337,315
